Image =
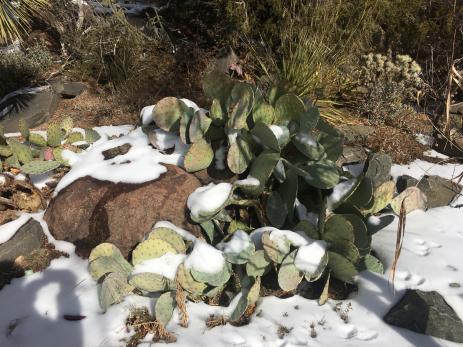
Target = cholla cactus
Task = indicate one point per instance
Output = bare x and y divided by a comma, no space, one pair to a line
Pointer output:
388,85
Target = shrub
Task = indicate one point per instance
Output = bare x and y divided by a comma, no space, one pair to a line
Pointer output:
23,68
388,86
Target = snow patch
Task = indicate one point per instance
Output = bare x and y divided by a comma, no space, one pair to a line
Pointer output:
309,257
208,199
165,265
8,230
205,258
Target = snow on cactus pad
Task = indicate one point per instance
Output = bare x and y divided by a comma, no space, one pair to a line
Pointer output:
208,200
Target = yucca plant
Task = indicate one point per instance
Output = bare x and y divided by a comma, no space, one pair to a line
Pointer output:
16,16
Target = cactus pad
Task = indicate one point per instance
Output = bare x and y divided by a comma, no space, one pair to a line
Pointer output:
258,264
22,152
37,140
150,282
341,268
239,156
289,275
287,108
167,113
263,113
169,236
199,156
74,137
54,135
275,250
91,135
39,167
151,248
188,283
113,289
164,307
199,125
322,174
24,128
103,265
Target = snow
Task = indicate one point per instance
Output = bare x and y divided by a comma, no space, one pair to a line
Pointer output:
239,242
165,265
33,307
205,258
280,132
309,257
208,199
220,156
339,192
248,181
141,163
8,230
146,114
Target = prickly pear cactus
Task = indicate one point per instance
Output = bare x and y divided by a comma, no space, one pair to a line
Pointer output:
167,113
22,152
37,139
151,282
199,156
39,167
113,289
55,135
151,248
164,307
289,276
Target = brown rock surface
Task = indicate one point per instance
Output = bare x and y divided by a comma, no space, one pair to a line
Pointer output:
89,211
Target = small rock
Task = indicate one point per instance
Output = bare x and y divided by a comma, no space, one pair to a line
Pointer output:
352,154
27,239
404,182
114,152
89,211
426,313
72,89
438,190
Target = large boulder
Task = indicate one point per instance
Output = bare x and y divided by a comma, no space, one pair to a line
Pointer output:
28,238
438,190
426,313
89,211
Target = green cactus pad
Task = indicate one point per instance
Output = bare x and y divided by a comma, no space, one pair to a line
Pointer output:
414,199
199,156
104,249
23,128
169,236
241,100
362,239
216,112
249,296
74,137
12,161
57,154
151,248
341,268
188,283
5,151
363,194
276,251
54,135
37,140
215,279
276,210
258,264
287,108
113,289
91,135
382,196
151,282
308,229
167,113
22,152
308,146
289,276
185,121
322,174
373,264
261,169
309,119
338,228
39,167
346,249
239,156
164,307
199,125
263,113
67,125
266,136
103,265
331,144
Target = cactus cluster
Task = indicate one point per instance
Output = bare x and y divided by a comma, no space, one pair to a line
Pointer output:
36,154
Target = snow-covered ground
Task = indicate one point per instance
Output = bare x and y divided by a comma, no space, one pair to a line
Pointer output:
32,308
